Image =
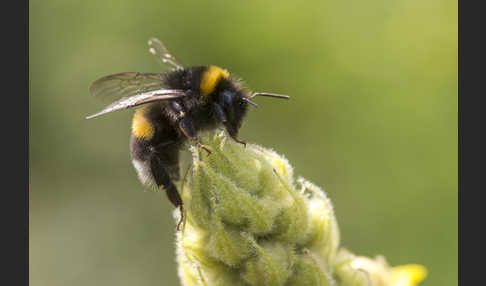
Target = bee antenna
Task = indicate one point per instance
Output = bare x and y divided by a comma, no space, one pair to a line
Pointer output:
250,102
269,95
248,99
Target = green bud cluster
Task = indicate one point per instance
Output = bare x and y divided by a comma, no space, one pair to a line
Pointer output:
248,222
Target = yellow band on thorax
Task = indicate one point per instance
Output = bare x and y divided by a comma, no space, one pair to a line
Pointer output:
141,126
211,78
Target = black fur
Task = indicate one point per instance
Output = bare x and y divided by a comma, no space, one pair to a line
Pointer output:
176,120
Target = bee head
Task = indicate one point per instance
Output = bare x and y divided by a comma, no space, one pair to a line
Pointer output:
232,100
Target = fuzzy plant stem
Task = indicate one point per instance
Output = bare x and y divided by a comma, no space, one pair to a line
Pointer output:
248,222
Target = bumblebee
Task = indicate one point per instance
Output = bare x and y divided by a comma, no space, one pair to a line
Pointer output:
174,106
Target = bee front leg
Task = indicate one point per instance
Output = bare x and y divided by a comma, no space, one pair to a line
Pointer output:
187,128
218,110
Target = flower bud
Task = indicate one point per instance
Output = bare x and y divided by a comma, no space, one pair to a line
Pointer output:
248,222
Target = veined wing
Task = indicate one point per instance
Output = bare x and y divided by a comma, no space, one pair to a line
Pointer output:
126,84
162,54
139,99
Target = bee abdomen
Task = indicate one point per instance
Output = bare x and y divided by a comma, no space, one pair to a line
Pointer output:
144,173
155,165
142,127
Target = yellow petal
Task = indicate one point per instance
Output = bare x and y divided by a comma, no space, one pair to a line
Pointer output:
377,271
408,275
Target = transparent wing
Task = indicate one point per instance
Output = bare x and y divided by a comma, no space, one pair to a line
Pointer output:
139,99
116,86
162,54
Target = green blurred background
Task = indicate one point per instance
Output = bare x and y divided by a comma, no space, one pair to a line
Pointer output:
372,120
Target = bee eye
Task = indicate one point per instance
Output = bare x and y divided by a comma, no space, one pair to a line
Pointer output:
227,98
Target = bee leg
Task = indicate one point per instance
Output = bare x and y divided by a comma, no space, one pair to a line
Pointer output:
218,110
186,126
176,200
238,140
162,179
178,227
